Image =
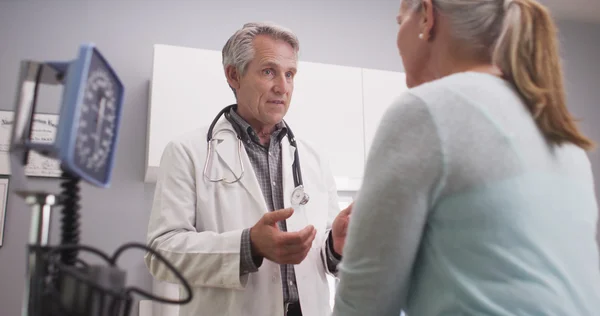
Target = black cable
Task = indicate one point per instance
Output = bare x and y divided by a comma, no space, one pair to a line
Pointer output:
118,297
148,295
124,296
80,276
54,250
85,264
70,217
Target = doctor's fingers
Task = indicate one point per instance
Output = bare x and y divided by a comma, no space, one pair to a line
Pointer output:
348,209
290,254
296,246
295,258
294,254
296,238
273,217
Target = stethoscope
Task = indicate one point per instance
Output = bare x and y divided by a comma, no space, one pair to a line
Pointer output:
299,196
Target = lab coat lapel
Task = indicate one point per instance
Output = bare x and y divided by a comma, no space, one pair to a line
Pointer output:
287,159
227,152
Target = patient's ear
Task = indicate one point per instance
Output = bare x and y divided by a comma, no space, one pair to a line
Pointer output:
427,22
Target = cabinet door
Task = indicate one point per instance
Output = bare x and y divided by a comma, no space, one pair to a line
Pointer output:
380,89
187,90
326,109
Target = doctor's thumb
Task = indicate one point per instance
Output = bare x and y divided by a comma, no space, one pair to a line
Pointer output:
276,216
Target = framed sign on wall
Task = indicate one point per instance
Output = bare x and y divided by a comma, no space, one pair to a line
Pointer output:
44,131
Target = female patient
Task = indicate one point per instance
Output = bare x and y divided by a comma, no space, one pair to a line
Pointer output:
478,197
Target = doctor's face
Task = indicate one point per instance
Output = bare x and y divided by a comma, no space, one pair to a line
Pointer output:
264,92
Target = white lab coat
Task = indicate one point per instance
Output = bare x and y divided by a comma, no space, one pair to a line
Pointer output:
197,225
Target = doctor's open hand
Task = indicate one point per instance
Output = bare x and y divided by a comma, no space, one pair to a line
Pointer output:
278,246
339,229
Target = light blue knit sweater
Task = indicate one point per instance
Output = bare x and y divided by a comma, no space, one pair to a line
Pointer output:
466,210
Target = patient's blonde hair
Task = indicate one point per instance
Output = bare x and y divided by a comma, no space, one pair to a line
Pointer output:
520,37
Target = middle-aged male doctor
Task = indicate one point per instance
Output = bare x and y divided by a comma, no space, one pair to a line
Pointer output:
253,227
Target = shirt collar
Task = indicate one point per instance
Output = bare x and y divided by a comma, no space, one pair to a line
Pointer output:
249,133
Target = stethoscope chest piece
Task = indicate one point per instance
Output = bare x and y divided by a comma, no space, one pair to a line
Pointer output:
299,196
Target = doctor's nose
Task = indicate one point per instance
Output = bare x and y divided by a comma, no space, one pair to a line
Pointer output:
282,85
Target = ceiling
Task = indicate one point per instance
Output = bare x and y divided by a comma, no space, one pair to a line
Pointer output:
577,10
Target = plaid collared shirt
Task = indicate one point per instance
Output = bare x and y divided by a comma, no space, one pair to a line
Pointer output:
266,162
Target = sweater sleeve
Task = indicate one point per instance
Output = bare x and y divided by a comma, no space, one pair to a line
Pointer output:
402,174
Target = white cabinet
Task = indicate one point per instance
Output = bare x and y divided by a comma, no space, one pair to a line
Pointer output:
326,110
380,89
335,107
187,90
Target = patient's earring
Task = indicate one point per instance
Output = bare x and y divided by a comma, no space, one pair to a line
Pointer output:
421,36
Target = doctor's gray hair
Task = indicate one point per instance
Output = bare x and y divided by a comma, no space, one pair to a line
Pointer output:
239,49
519,37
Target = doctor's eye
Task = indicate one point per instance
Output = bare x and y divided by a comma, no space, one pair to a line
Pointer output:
268,72
289,74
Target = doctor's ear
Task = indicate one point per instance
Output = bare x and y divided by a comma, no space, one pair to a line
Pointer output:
233,77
